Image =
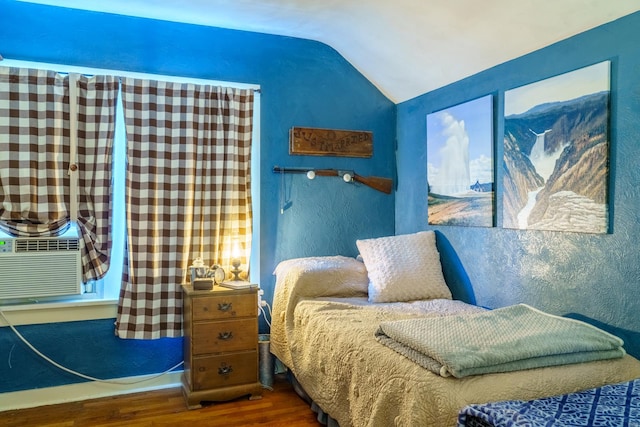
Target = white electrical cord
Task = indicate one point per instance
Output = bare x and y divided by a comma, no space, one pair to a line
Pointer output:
264,303
87,377
282,192
261,304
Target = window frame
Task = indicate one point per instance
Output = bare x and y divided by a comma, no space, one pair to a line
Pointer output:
101,297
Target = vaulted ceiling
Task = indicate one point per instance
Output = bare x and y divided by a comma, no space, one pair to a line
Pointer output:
405,47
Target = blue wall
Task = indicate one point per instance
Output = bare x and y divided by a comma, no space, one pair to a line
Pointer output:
592,277
303,83
89,347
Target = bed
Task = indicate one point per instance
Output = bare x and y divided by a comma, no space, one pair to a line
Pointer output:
328,314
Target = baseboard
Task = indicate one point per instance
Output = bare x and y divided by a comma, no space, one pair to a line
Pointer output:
85,391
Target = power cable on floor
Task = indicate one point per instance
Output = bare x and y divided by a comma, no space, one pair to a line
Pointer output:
81,375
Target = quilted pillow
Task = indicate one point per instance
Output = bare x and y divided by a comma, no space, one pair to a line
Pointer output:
323,276
403,268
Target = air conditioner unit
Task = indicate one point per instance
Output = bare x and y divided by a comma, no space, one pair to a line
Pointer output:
36,267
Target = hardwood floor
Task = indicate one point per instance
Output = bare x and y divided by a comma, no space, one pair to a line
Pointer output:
280,407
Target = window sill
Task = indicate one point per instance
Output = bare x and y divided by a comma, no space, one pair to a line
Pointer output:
54,312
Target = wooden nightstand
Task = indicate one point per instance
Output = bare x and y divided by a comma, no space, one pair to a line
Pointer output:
220,345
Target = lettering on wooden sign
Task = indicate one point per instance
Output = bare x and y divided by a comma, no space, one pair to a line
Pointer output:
330,142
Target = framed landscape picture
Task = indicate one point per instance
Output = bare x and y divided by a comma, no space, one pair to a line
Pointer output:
556,153
460,173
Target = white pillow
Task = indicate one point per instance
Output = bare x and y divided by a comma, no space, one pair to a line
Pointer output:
404,268
323,276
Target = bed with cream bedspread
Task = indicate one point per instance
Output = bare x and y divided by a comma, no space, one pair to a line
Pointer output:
324,331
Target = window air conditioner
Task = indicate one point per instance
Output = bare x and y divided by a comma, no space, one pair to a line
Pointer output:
36,267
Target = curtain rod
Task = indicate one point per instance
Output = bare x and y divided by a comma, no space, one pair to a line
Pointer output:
119,73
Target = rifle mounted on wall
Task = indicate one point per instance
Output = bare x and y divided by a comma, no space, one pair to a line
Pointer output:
384,185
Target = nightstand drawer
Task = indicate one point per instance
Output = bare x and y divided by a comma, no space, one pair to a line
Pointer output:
224,307
224,370
224,336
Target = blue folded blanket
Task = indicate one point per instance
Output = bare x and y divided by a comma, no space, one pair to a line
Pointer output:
502,340
609,405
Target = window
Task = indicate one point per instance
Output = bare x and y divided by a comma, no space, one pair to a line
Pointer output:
108,288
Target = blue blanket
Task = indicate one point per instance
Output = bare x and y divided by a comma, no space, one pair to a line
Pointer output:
616,405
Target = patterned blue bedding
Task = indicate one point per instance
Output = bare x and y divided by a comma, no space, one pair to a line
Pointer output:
616,405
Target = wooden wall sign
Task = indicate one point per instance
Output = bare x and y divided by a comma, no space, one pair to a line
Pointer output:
330,142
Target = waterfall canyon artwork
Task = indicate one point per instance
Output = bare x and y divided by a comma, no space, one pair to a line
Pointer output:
556,153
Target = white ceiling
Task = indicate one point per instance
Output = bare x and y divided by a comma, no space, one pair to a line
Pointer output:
405,47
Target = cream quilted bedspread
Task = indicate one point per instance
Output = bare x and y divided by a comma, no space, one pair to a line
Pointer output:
329,344
313,277
361,382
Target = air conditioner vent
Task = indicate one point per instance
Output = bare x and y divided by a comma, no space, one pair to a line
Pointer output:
46,245
39,267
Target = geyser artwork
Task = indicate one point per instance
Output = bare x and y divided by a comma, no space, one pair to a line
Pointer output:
452,177
556,153
460,164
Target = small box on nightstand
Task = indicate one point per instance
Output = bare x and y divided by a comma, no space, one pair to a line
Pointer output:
202,284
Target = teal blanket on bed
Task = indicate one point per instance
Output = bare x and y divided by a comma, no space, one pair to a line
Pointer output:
502,340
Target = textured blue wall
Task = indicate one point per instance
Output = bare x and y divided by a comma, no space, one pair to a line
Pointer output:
89,347
303,83
592,277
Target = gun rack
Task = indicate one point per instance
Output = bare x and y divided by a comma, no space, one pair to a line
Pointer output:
377,183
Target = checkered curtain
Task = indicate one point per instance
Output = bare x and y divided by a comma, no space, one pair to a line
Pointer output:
188,194
34,145
35,162
97,98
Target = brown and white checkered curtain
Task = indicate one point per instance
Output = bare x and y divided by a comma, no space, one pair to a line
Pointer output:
188,194
35,185
34,145
97,98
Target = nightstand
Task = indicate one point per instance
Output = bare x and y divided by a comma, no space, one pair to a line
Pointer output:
220,344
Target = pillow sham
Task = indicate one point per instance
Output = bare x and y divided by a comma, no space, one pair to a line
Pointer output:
323,276
403,268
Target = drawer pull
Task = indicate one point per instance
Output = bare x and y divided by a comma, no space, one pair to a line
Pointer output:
225,336
225,369
224,306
